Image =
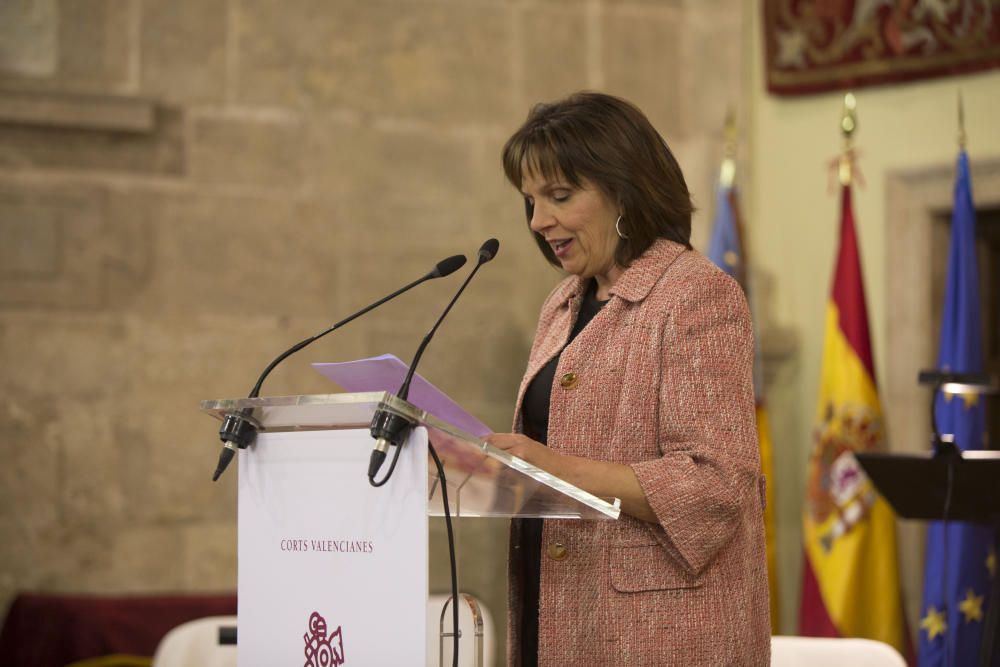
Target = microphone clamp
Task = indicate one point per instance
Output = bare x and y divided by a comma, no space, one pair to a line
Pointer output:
238,429
237,432
387,428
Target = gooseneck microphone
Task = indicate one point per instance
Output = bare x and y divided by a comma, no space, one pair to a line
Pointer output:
391,429
238,429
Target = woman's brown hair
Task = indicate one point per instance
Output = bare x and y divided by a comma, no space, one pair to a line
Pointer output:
609,142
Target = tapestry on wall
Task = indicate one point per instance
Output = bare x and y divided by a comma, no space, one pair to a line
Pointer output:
816,45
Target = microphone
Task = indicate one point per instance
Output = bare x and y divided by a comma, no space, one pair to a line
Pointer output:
238,429
391,429
487,252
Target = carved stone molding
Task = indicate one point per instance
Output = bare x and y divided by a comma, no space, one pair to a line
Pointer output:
96,112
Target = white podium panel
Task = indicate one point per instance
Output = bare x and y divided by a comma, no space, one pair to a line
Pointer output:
331,569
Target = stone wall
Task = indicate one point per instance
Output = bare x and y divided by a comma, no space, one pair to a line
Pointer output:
189,186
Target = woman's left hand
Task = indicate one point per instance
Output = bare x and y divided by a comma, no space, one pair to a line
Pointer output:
525,448
601,478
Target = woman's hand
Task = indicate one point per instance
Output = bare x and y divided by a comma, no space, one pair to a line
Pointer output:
525,448
601,478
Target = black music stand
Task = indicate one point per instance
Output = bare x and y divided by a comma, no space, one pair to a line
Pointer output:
950,487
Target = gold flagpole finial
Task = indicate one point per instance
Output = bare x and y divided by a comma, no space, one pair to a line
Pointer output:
727,174
848,126
961,122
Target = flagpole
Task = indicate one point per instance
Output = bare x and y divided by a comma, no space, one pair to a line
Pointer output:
961,122
848,125
727,173
728,250
987,646
850,581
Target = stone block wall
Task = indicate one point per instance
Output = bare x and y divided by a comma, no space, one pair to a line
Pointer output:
189,186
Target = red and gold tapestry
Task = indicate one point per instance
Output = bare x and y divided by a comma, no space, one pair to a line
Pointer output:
816,45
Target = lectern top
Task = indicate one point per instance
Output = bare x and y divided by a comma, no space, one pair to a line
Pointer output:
922,486
486,481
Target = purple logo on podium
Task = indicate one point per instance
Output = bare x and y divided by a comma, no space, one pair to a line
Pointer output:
323,651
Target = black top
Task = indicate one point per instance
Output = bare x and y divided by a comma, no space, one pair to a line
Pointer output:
535,417
535,408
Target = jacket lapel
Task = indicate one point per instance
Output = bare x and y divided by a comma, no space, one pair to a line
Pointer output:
561,309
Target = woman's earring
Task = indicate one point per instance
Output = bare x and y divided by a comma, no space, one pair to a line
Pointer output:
619,229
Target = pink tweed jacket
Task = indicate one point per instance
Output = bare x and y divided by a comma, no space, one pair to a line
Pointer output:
663,384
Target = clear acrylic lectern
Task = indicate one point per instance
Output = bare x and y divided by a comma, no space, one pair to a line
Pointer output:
328,560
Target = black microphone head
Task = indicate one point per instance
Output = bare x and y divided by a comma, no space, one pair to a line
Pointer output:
488,250
448,266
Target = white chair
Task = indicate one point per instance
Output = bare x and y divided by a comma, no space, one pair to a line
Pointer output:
467,608
830,652
196,644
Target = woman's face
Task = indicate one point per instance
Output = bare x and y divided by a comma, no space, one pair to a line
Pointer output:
578,223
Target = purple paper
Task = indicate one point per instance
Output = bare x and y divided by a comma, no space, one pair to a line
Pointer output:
386,373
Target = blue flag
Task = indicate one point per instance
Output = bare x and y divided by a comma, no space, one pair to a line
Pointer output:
727,251
725,248
960,564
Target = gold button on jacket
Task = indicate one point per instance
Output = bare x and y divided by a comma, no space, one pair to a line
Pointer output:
557,551
569,380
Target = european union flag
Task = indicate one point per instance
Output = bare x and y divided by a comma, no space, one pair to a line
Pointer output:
961,563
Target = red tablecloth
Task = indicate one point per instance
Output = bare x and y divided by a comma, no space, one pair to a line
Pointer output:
55,630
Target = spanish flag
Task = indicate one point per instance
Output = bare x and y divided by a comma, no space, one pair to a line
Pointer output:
850,586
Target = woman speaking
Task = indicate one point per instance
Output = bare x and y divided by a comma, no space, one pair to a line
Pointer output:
638,386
